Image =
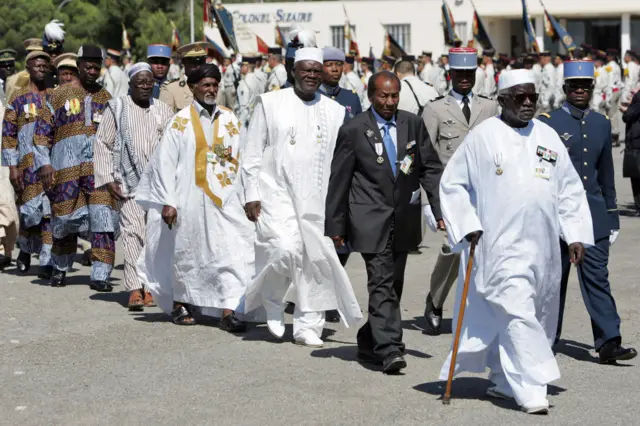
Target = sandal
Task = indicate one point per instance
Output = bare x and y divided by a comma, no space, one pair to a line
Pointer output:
148,300
181,316
136,303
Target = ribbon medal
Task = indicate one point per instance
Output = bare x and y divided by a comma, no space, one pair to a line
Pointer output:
30,110
379,151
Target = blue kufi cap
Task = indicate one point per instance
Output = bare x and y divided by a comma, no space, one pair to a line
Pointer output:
333,54
158,51
463,58
579,69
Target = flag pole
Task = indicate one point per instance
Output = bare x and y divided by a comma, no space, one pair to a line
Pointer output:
193,32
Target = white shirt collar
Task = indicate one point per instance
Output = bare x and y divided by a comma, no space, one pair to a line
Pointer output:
458,97
203,112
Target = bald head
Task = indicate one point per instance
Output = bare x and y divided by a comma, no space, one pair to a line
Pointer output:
379,79
404,68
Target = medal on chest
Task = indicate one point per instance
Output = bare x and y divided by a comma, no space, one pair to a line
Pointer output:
292,135
497,160
379,151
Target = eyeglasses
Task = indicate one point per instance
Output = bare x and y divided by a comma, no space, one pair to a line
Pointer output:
521,97
575,85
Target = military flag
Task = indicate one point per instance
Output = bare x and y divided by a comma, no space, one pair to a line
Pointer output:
280,38
224,22
392,47
448,26
126,44
480,32
351,46
529,33
556,32
176,42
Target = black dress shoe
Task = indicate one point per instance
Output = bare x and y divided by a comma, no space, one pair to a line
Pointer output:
4,261
393,363
332,316
58,278
433,317
23,262
232,324
289,308
368,357
611,352
46,272
101,286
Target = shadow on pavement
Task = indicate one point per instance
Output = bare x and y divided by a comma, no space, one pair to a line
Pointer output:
474,388
121,297
419,323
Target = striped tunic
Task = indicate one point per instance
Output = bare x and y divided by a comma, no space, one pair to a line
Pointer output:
146,126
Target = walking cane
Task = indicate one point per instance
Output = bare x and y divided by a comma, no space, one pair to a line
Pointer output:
446,399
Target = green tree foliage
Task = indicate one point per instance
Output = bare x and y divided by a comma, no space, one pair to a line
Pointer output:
99,22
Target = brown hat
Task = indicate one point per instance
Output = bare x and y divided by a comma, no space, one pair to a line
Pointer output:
32,44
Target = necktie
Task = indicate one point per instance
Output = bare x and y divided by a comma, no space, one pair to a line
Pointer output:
465,109
389,146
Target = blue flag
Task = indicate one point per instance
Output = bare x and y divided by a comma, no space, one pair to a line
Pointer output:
529,34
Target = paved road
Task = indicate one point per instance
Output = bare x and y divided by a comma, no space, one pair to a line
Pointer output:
71,356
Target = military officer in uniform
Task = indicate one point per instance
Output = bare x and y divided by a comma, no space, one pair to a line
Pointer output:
177,94
333,68
353,82
21,80
427,66
598,103
7,69
366,70
448,120
587,136
261,76
159,57
547,83
278,75
613,91
248,91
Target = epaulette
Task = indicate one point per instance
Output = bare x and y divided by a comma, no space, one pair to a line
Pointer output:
354,91
183,83
436,99
544,114
484,97
606,116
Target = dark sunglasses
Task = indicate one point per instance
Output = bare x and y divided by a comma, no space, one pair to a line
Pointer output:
521,97
574,85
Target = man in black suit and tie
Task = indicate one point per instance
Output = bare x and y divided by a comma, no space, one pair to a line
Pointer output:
381,158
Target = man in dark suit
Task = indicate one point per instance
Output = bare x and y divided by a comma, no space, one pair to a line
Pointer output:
587,136
382,157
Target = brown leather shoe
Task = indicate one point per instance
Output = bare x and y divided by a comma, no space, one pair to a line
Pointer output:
136,303
148,300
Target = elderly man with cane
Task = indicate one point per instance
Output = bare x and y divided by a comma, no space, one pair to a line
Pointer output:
511,189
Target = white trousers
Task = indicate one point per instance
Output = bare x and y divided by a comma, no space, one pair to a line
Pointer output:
302,321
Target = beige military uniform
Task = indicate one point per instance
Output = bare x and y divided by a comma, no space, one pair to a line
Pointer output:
176,94
447,128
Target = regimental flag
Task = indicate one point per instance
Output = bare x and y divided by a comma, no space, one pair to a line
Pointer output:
280,38
556,32
262,46
529,34
392,47
224,22
126,44
448,26
176,42
480,31
351,44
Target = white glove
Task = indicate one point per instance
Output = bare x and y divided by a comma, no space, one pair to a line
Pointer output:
431,219
614,236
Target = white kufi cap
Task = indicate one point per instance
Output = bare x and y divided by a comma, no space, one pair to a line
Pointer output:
309,54
514,78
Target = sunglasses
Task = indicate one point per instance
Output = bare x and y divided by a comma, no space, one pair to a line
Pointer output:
573,86
520,98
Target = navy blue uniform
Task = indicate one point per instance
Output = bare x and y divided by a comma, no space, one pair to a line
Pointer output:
587,136
347,98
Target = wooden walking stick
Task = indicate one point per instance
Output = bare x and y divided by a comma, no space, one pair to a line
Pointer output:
446,399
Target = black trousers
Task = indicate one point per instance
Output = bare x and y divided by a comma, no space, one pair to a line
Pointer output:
635,188
593,275
382,333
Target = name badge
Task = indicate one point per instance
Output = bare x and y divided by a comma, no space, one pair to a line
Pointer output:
543,172
405,165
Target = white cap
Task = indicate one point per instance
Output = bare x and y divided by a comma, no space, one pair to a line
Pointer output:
514,78
308,54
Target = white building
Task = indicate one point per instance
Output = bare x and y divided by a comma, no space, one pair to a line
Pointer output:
416,24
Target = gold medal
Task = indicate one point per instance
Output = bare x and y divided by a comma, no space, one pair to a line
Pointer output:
380,160
219,150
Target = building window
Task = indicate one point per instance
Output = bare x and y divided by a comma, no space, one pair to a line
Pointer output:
462,32
337,36
401,33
